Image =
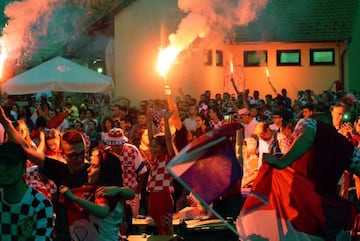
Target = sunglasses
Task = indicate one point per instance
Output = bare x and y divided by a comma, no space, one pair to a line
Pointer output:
75,155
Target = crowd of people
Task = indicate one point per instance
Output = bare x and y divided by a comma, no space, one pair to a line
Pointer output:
96,164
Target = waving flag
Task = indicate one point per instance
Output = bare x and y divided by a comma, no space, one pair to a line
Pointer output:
300,202
208,167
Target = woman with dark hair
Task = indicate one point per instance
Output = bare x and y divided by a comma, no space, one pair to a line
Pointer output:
160,183
106,125
103,176
215,118
202,125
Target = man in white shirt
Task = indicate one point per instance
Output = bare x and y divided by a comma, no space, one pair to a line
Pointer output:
266,139
248,121
190,122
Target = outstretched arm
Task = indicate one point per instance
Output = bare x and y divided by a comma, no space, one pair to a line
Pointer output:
33,155
122,192
98,210
301,144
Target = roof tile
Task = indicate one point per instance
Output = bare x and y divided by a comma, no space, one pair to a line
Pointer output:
302,21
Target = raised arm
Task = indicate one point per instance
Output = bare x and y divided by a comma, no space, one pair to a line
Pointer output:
42,144
175,118
235,87
168,139
244,101
33,155
149,120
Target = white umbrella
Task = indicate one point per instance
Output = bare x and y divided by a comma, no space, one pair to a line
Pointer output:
58,74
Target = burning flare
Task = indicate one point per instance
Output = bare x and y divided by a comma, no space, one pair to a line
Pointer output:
166,58
269,81
267,72
3,57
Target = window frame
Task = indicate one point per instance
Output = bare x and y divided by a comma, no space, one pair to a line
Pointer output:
219,58
261,62
317,63
208,57
280,52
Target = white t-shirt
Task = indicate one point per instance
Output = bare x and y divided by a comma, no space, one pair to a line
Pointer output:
250,128
264,147
190,124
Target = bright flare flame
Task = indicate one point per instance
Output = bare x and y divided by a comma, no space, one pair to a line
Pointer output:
231,67
166,58
3,57
267,72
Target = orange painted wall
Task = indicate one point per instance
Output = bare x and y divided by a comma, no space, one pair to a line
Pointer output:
293,78
142,28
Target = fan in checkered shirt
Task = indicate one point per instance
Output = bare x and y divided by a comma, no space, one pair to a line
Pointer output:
24,212
132,164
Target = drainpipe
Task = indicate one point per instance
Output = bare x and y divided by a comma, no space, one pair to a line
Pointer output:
342,64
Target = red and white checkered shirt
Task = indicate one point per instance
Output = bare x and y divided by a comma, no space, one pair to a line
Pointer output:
284,142
159,179
34,179
215,125
302,124
203,109
131,160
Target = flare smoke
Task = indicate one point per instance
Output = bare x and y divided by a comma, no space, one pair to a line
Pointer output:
213,15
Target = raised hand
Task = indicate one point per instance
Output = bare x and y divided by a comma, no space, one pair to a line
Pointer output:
64,190
3,117
168,114
167,90
108,191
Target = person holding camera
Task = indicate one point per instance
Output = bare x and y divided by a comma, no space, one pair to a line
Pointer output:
337,115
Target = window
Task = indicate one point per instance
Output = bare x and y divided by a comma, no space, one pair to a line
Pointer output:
208,57
219,58
255,58
288,57
322,57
